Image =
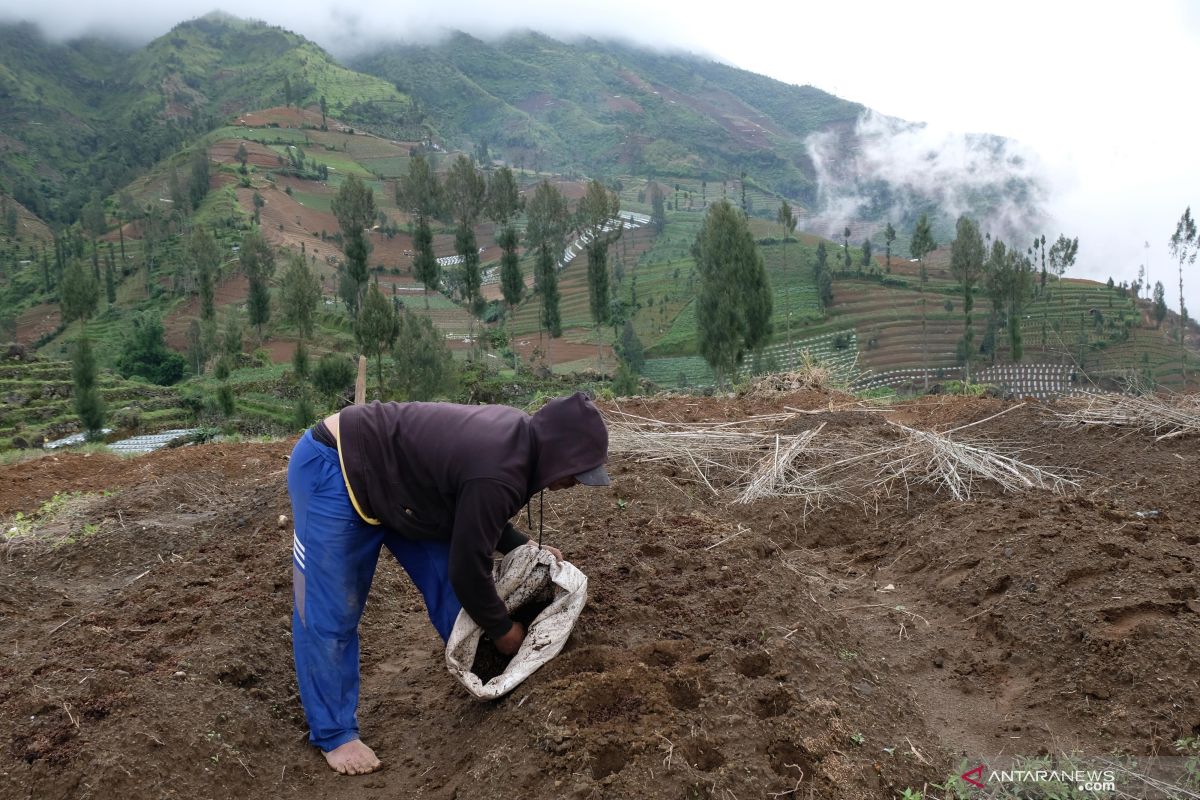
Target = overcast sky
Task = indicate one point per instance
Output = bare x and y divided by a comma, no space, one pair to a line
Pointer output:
1105,93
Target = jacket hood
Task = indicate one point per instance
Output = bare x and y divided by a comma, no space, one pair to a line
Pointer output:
569,438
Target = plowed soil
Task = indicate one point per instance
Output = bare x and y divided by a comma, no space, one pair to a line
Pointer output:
726,650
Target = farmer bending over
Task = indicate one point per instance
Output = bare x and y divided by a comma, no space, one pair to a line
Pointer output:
435,483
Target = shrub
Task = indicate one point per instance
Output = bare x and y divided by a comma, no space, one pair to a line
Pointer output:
333,375
625,382
145,354
303,411
225,400
128,418
300,360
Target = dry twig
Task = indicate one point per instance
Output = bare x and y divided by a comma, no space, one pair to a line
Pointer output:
1161,416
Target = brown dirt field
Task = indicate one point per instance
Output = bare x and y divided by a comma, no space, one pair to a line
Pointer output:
232,289
29,225
282,210
726,651
37,321
562,349
225,152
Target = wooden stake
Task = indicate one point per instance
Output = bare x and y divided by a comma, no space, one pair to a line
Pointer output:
360,385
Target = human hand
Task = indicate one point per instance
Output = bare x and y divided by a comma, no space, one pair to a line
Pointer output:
554,551
510,643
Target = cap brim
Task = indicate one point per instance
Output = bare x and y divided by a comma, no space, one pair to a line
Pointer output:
594,477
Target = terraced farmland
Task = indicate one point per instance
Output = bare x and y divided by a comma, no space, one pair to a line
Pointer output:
837,349
37,402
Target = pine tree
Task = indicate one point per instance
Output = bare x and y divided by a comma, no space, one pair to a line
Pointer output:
597,211
846,248
1184,244
966,264
257,261
866,253
922,245
1062,258
231,337
545,232
503,197
425,266
424,366
205,260
1160,304
467,248
733,307
889,236
110,285
503,202
299,293
787,218
198,180
633,353
512,282
821,277
354,207
78,293
85,394
547,279
466,193
376,329
419,191
658,210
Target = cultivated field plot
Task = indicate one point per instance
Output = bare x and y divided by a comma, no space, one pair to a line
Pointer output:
850,629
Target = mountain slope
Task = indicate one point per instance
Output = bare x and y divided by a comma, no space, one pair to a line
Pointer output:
613,109
87,116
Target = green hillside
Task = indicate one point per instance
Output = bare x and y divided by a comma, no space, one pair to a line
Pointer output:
82,118
238,103
611,109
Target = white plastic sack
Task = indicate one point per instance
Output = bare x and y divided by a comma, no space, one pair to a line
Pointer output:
524,573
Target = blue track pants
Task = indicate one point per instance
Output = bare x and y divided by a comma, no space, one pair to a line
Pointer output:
334,554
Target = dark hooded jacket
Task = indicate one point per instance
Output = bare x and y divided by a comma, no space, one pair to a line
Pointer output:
459,473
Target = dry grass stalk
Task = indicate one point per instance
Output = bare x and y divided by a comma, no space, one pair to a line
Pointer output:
926,457
777,470
757,463
811,373
720,454
1162,416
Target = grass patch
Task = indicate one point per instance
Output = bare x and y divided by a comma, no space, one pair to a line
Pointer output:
61,520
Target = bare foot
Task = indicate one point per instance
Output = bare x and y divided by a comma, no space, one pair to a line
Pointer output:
353,758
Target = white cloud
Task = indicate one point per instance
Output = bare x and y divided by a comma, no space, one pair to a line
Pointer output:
922,166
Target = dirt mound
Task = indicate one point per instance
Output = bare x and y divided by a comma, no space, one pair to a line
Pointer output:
725,650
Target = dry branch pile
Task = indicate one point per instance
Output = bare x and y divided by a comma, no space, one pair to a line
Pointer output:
927,457
751,461
1161,416
810,374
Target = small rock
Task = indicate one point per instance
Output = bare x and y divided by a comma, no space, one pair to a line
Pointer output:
283,521
938,662
180,674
